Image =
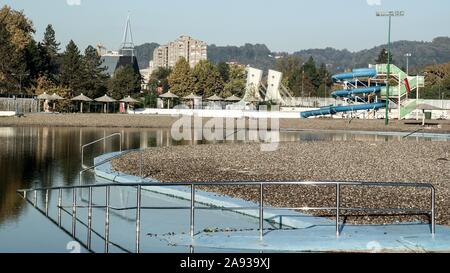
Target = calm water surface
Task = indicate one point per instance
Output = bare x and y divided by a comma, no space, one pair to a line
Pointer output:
50,156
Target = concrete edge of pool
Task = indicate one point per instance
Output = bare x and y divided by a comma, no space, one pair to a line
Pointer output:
308,233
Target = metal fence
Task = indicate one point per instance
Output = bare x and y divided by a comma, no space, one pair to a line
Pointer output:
338,208
19,105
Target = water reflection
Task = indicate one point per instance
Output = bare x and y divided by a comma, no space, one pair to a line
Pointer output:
50,156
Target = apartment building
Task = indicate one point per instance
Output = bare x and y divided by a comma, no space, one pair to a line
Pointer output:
185,46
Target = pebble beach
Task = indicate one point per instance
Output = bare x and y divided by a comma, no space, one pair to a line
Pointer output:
392,161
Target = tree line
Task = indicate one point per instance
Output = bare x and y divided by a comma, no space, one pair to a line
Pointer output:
205,79
33,67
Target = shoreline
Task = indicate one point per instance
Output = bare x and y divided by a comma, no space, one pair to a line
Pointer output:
166,121
318,161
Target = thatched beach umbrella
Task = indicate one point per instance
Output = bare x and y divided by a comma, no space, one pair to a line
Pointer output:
233,98
215,98
192,97
129,100
56,97
81,98
44,96
170,96
105,99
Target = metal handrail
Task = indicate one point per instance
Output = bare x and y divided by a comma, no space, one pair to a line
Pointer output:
98,140
102,162
192,206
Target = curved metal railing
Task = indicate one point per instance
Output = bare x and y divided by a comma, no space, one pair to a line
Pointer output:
96,141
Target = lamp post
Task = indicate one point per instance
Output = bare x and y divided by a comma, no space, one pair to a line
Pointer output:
389,14
407,55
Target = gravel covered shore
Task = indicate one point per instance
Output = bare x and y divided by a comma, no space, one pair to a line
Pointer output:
161,121
399,161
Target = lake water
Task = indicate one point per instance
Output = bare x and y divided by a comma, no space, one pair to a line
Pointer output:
50,156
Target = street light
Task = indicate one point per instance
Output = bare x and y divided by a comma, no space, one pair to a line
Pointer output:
407,55
389,14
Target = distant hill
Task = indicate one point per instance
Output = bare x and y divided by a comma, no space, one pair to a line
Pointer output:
144,54
257,55
260,56
423,53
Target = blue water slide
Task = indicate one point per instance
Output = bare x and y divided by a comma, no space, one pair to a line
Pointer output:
356,73
356,91
331,110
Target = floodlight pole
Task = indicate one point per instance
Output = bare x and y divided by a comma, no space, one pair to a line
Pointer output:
389,14
407,55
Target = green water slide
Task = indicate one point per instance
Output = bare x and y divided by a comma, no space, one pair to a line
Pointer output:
400,89
400,75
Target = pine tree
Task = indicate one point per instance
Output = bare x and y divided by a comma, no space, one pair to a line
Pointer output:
71,69
51,47
49,42
181,80
383,57
95,80
311,73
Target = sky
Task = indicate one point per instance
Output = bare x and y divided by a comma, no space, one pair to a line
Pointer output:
283,25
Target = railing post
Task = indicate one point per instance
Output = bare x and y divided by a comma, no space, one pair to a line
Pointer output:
261,211
59,206
141,164
192,218
89,233
46,202
107,218
433,211
138,218
74,211
337,208
82,156
120,144
35,198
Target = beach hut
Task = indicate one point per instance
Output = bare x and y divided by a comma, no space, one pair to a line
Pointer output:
81,98
105,99
55,97
192,97
129,100
169,96
45,97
